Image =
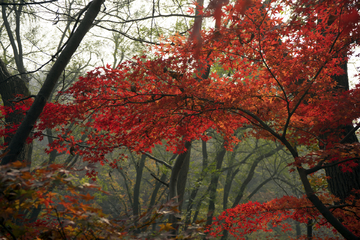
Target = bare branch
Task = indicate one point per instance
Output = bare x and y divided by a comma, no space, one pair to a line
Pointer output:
166,184
22,99
350,133
25,3
321,165
157,160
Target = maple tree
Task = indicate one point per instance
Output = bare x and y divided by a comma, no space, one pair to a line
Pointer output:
278,82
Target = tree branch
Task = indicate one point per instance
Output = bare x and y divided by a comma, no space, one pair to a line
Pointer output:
22,99
166,184
350,133
157,160
321,166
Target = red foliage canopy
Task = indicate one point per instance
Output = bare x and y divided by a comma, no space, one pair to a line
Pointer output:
275,75
274,72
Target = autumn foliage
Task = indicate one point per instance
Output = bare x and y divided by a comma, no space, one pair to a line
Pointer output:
66,209
251,217
276,64
62,216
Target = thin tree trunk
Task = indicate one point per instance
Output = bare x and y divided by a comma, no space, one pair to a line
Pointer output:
15,41
198,205
297,229
154,194
198,184
214,183
174,179
156,190
175,173
139,172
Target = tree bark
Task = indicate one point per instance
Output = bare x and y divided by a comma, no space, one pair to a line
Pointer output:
10,86
342,183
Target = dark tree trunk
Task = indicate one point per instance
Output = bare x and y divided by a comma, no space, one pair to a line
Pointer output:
9,88
297,229
179,169
341,183
309,229
181,184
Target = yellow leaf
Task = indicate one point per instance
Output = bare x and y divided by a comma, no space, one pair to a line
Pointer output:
9,210
86,197
166,227
18,164
27,175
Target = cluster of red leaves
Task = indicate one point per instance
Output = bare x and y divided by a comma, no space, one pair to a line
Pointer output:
17,106
253,216
250,217
344,155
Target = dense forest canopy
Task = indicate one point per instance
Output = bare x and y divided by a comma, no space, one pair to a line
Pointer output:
262,98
